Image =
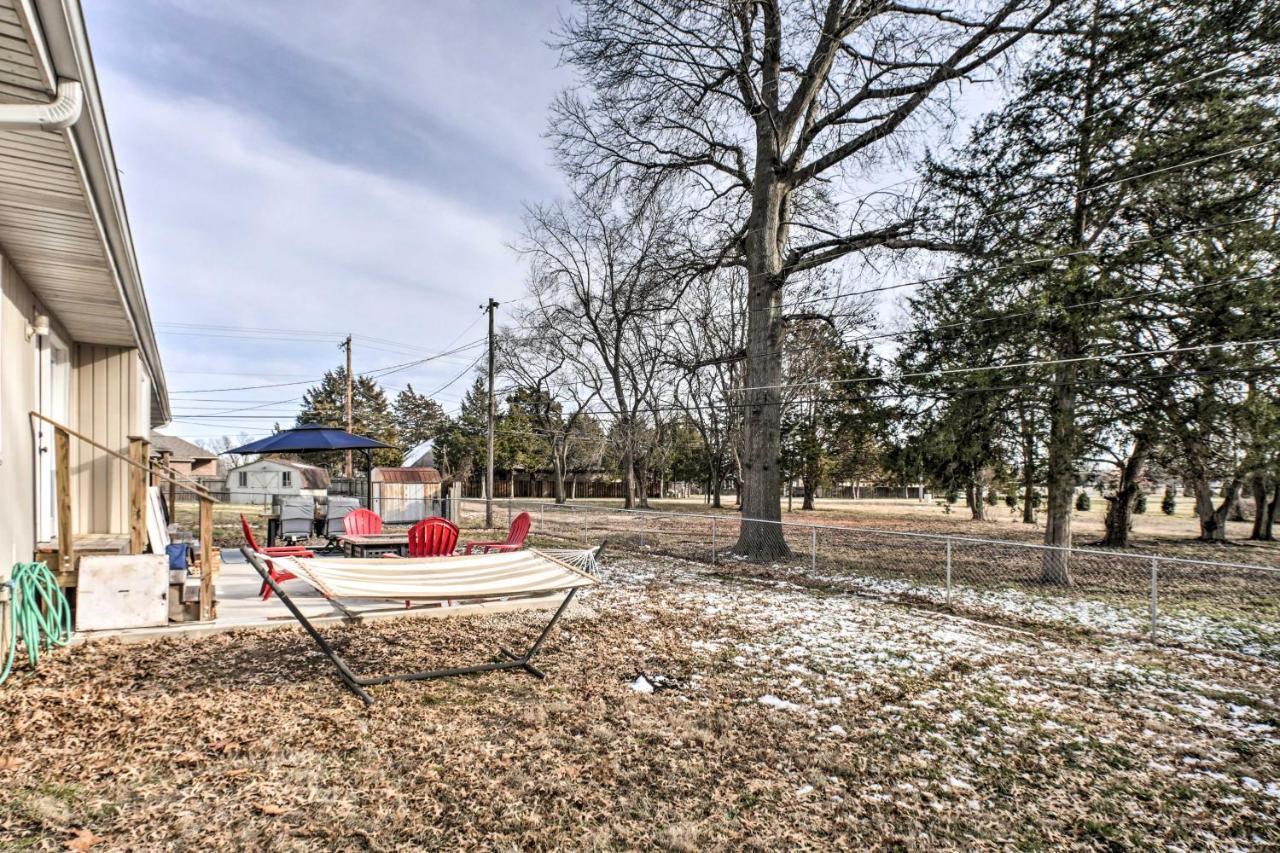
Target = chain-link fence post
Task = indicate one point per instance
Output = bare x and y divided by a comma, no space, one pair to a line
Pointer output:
813,549
510,512
948,572
542,518
713,541
1155,583
641,517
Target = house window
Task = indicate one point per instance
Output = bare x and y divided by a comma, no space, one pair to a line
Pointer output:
286,478
244,479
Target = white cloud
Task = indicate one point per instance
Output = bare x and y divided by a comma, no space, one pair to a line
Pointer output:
234,226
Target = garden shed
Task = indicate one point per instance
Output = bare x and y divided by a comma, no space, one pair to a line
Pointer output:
405,494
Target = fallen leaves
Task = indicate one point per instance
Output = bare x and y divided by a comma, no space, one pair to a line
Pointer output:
883,726
82,840
272,809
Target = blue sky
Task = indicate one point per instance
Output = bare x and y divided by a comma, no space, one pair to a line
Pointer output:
317,168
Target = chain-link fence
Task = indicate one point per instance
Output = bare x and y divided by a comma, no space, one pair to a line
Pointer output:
1235,606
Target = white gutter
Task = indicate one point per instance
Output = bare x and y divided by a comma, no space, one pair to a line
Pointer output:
63,112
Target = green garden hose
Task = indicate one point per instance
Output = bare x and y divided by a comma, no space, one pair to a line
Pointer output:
38,614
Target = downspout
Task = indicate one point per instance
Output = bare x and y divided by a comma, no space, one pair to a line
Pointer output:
59,114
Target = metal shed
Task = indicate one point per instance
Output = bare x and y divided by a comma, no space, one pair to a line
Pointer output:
405,494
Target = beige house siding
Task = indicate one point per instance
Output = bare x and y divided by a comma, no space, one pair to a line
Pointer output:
109,400
17,399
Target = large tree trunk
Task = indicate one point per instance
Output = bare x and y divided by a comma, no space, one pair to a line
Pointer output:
977,502
1258,484
1273,511
717,481
1060,474
1028,464
809,484
1119,520
628,479
558,463
761,537
642,482
1213,520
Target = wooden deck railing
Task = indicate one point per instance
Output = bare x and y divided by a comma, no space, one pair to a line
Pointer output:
142,472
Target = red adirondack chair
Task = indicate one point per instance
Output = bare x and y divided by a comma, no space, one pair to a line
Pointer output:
514,541
433,537
278,575
362,522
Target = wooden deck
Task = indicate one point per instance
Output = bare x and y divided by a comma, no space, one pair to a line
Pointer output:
92,544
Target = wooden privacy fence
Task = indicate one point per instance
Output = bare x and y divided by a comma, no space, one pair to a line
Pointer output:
142,472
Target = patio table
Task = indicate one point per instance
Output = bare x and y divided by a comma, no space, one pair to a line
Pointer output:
375,544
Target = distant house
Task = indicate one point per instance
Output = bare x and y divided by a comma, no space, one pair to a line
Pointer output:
266,479
404,494
422,456
185,457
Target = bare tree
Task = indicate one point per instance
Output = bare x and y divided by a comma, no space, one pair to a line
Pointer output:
541,364
602,281
707,351
223,444
765,112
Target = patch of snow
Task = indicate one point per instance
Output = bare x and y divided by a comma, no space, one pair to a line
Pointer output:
772,701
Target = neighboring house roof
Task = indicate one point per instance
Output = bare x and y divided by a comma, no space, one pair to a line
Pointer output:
63,223
422,456
406,475
311,476
179,449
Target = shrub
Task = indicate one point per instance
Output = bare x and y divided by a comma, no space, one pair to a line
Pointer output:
1010,500
992,498
1140,504
951,496
1082,502
1170,503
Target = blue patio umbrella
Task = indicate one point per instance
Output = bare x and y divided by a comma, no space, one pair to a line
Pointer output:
316,438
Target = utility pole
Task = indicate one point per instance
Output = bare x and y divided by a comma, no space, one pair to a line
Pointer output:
347,345
488,473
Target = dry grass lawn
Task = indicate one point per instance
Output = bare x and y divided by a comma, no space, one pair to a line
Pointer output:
783,717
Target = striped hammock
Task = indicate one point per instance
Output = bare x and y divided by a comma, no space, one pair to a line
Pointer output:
513,573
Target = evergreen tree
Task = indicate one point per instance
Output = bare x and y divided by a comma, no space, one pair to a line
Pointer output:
828,432
461,445
419,419
371,416
1068,182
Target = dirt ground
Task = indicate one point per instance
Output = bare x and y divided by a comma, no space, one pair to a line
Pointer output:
778,716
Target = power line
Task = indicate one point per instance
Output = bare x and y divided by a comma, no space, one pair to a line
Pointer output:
372,374
1015,366
940,393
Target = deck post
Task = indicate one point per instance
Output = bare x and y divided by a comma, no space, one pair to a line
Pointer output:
206,559
137,494
62,487
165,461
